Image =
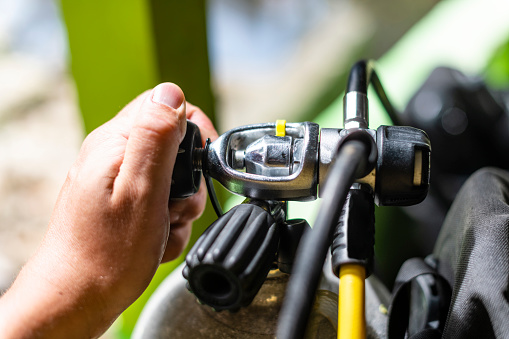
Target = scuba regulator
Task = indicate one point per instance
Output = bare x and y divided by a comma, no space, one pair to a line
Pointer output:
351,168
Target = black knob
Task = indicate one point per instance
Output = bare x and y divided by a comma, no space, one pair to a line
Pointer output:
229,263
402,171
291,232
186,178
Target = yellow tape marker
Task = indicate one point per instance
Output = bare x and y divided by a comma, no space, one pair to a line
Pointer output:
280,128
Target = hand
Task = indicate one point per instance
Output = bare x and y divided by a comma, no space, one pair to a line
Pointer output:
111,226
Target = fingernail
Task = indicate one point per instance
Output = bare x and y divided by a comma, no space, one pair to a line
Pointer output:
168,94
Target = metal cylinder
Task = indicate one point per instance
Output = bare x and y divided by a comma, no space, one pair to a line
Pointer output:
355,110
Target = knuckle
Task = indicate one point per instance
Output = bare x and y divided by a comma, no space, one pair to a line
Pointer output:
157,125
188,210
73,173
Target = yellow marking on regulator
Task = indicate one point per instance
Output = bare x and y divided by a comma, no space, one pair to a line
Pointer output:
280,128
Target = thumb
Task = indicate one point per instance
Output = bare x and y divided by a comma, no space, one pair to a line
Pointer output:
158,128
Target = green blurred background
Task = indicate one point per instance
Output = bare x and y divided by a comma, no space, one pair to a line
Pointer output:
244,62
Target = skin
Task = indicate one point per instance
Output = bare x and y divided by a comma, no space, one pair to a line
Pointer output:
112,225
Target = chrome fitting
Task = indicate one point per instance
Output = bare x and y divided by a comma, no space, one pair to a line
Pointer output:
355,110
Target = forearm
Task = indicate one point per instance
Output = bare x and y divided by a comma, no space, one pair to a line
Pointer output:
42,306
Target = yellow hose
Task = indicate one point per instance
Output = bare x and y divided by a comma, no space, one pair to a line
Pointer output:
351,313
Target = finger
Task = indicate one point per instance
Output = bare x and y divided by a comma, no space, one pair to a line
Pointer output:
108,140
189,209
177,241
134,106
120,123
158,128
196,115
182,215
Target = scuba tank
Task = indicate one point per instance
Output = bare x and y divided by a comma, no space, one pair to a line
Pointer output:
173,312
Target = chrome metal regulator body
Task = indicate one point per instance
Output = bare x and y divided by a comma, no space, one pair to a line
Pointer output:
253,162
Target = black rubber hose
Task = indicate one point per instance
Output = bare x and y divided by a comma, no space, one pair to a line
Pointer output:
386,103
208,180
312,251
361,75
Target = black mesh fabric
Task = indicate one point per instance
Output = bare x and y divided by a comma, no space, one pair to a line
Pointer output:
473,254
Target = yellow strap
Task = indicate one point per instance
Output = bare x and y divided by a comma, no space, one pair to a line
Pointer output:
280,128
351,312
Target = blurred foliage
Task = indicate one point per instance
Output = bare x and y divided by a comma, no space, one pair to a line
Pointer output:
112,54
497,70
122,48
180,41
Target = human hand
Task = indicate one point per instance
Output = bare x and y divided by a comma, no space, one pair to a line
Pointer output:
111,226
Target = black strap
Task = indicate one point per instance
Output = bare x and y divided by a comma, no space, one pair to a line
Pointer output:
427,333
399,311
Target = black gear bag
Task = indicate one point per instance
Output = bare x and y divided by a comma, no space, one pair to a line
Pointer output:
471,255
